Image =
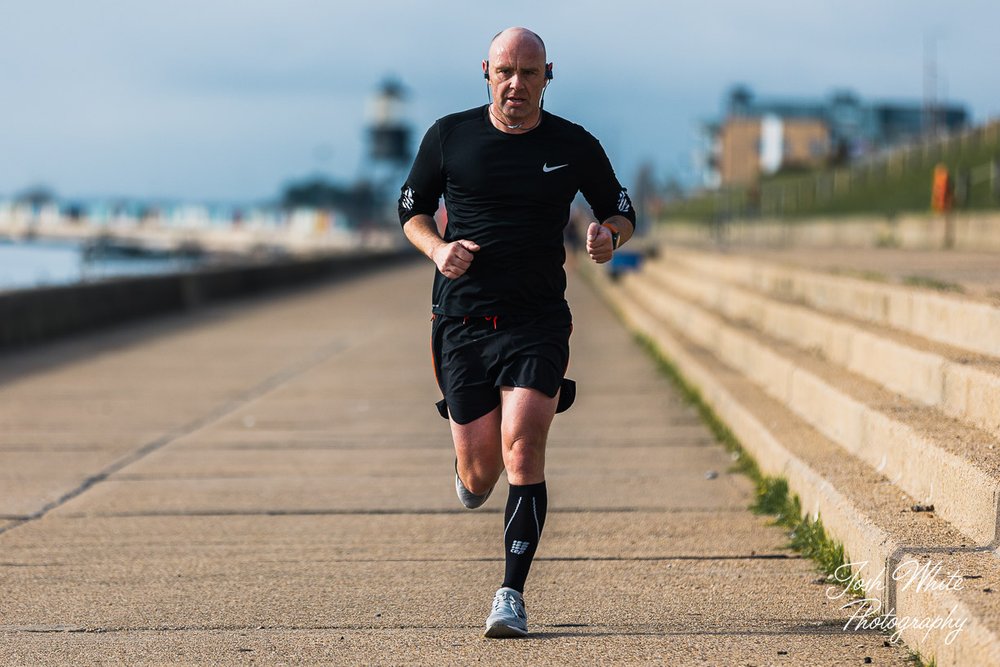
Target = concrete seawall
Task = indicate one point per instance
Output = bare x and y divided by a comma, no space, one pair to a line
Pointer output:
32,315
875,400
978,231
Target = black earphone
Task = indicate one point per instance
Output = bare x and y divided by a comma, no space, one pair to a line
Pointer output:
548,72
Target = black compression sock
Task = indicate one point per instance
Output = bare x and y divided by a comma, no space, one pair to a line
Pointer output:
523,521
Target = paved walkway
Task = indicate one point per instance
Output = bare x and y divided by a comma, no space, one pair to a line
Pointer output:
267,482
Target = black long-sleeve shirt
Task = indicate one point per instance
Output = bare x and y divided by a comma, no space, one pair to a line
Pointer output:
511,194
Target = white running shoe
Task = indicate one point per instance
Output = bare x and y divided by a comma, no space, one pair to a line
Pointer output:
468,498
508,617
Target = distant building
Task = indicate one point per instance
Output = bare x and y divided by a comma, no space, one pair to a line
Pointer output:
750,146
758,137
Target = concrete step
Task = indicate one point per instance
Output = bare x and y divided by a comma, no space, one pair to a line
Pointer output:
860,507
936,459
954,320
962,385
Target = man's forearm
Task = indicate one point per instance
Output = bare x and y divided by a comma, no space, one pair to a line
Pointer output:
421,231
451,259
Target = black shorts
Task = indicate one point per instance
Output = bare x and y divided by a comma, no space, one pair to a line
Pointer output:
475,356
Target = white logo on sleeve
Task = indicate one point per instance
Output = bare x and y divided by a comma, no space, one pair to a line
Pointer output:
546,168
624,203
407,199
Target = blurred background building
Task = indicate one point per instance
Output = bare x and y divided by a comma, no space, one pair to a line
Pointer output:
762,136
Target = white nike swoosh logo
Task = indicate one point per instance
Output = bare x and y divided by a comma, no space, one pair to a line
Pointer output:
546,168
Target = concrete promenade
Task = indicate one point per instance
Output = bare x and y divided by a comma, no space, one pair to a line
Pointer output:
267,482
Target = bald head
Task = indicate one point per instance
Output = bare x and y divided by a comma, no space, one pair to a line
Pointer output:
517,74
515,38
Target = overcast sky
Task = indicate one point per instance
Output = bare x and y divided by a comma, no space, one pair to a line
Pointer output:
229,100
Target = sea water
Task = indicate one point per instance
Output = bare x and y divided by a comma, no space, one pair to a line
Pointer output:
36,263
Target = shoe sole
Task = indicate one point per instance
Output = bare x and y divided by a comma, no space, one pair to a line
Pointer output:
474,502
500,630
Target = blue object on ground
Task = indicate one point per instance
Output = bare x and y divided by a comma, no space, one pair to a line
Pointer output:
624,261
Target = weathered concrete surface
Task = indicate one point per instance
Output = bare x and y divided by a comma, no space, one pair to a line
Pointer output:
963,385
958,320
781,404
976,273
296,507
821,645
974,231
931,458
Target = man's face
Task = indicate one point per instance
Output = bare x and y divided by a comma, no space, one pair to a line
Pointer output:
517,76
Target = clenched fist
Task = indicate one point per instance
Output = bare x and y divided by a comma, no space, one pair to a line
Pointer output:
599,244
453,259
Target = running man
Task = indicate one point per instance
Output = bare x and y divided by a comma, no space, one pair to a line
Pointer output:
508,172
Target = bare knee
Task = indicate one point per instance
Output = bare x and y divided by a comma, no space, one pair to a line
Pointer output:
524,458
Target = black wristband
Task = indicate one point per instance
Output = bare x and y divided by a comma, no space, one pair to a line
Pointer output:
616,237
